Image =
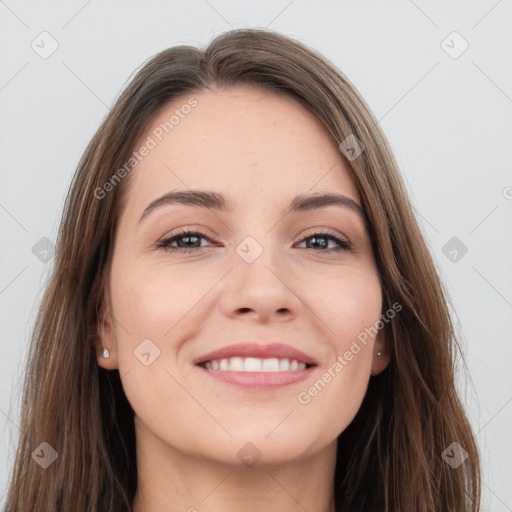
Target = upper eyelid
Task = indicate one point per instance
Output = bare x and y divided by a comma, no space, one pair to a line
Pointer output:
187,230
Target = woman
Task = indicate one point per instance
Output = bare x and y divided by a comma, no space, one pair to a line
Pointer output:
243,313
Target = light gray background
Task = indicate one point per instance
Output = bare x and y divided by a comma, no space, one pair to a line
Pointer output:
449,121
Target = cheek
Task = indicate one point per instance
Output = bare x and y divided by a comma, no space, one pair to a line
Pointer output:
150,305
352,307
355,324
152,300
349,302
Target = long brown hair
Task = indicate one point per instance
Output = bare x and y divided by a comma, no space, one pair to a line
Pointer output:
392,451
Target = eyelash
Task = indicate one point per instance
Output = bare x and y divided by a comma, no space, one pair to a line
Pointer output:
343,244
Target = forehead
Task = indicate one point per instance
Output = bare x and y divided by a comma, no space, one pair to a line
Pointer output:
253,146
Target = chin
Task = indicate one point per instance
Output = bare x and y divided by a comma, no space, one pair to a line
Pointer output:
255,447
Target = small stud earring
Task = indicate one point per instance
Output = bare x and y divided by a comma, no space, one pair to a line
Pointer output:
379,355
105,353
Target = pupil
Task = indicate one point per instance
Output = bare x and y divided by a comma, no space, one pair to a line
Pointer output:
188,238
316,238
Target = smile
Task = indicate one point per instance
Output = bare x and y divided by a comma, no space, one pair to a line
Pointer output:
255,364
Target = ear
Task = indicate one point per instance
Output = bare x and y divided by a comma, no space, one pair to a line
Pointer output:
107,338
381,353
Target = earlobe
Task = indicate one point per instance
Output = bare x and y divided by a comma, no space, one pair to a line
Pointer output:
380,362
106,351
381,355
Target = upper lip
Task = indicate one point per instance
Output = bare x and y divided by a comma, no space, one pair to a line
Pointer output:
259,350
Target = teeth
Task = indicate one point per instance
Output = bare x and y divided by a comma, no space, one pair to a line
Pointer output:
235,364
270,365
255,364
252,364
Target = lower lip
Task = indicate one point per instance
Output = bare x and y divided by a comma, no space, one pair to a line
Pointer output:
259,380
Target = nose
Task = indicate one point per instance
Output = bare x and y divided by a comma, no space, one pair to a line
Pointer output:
262,290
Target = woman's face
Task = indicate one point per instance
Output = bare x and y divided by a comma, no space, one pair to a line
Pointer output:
262,284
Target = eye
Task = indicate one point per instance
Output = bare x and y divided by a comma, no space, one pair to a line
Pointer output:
318,236
188,241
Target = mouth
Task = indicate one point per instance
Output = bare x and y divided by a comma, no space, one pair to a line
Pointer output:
252,365
255,364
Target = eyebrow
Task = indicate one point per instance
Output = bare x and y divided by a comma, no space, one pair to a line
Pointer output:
214,200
